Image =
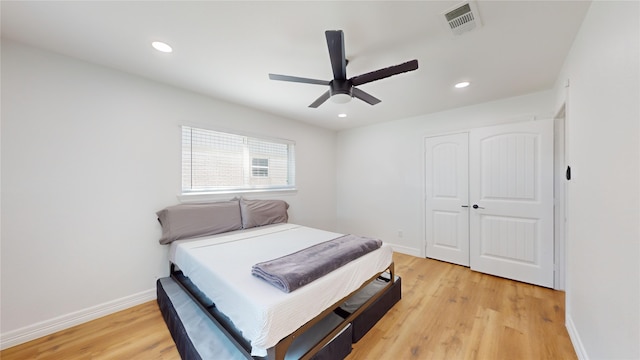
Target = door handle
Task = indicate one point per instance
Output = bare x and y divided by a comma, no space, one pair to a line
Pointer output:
475,206
465,206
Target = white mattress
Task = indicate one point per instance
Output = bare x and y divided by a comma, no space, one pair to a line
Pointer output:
220,266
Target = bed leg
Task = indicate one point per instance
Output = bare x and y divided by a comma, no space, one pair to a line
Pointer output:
392,272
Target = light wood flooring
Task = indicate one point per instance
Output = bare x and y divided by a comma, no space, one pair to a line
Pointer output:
446,312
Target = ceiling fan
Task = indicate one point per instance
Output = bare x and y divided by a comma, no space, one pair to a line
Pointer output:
341,89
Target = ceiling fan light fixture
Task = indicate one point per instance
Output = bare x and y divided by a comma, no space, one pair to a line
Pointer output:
341,98
162,47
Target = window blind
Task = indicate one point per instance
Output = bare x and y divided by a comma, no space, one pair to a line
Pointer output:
218,161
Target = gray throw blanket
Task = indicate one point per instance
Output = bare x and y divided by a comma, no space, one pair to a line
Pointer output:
300,268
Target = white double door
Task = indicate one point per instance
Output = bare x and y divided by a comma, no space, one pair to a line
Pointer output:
489,200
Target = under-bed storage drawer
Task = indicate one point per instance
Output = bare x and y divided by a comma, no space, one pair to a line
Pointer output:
195,334
369,317
338,348
197,337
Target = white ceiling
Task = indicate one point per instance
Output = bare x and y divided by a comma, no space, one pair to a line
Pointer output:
226,49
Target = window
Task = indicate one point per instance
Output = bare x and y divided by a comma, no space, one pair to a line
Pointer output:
214,161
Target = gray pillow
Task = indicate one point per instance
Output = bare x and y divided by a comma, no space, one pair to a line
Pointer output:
194,220
263,212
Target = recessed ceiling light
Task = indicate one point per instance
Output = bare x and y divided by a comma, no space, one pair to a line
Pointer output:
462,84
160,46
342,115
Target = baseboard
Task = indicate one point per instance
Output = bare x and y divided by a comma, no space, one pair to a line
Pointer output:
32,332
405,249
575,339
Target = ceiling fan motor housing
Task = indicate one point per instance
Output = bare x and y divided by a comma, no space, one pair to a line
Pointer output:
340,87
340,91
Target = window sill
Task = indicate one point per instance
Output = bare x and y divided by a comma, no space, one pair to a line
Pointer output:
202,197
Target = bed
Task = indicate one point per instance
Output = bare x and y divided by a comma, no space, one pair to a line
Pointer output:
261,319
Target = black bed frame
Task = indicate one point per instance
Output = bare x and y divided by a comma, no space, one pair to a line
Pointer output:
280,349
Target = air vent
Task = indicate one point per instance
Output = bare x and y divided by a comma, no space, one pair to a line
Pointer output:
462,18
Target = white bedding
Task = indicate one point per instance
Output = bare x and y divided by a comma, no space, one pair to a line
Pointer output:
220,266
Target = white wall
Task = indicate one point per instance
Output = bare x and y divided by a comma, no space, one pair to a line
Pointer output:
381,172
603,208
89,155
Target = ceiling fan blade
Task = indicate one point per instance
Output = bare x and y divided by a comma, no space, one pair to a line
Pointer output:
369,99
297,79
384,73
335,43
324,97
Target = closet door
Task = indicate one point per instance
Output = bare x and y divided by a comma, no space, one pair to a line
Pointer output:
446,194
511,198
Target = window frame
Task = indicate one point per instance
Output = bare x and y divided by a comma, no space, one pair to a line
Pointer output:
187,194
